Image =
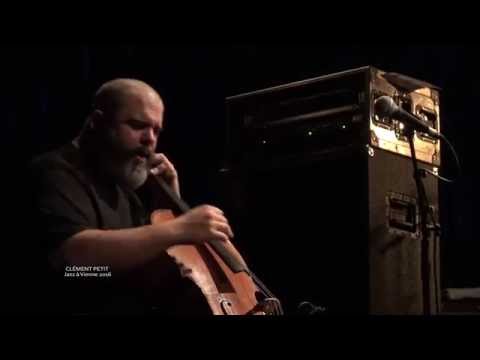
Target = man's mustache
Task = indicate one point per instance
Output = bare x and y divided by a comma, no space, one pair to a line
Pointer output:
145,153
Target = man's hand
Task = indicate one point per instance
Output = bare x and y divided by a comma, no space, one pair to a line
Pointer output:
162,167
203,224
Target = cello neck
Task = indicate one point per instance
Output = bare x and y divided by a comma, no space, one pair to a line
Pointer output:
229,257
181,207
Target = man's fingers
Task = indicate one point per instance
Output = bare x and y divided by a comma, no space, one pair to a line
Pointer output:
219,236
163,168
221,220
224,228
158,159
214,209
159,168
219,217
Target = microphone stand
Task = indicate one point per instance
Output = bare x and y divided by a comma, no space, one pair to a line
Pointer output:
424,208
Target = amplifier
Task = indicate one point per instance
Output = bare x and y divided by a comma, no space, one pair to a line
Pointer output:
321,193
322,114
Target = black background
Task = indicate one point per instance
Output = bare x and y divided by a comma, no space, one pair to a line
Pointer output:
47,91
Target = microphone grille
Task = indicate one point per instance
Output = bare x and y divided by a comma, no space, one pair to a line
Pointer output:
385,106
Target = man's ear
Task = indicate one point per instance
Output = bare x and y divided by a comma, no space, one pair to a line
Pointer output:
97,118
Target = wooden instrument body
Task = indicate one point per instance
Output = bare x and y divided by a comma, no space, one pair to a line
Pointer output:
226,292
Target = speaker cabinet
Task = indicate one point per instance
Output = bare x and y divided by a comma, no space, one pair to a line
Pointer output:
342,232
323,198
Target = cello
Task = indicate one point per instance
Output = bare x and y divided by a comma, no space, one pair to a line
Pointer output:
217,268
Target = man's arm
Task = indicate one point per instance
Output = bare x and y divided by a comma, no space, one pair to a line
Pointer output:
65,217
126,249
119,249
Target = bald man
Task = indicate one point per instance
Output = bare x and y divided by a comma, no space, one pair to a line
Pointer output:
89,213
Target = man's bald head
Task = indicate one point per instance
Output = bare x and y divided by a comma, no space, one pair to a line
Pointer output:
115,94
123,128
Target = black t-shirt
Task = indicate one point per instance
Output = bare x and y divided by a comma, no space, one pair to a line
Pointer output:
68,195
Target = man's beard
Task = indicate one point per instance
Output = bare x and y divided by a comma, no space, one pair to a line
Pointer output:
124,164
131,173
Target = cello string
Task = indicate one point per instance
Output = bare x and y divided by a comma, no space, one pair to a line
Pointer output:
270,296
183,207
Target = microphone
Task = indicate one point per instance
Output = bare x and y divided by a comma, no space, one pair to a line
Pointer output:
307,308
386,107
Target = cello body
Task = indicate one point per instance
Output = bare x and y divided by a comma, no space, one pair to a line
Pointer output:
226,292
218,269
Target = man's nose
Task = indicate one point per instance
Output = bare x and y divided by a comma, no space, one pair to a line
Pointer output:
148,137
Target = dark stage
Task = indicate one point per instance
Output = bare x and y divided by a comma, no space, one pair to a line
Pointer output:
47,91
